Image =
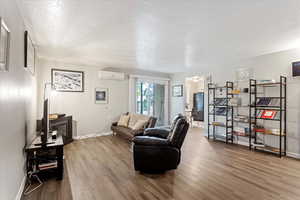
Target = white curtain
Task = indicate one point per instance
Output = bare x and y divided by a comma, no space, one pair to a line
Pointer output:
132,94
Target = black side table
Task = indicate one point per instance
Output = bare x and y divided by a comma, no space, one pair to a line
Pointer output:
33,149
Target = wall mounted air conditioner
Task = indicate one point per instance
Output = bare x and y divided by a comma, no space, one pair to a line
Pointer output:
107,75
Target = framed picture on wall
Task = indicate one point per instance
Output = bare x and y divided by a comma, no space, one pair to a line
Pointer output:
29,54
67,80
4,46
177,90
101,95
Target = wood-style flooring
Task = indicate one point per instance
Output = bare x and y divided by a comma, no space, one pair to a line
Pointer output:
102,169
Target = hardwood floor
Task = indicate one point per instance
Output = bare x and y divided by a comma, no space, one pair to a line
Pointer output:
102,169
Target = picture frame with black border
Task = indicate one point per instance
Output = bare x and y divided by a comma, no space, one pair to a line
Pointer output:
63,80
101,95
177,90
29,53
4,46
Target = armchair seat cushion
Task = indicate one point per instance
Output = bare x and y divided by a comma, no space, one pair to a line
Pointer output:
150,141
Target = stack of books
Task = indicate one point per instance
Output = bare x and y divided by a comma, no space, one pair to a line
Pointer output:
50,164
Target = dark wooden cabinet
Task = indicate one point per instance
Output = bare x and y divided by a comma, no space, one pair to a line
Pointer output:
64,127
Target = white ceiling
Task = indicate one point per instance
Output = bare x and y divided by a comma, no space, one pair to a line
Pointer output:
161,35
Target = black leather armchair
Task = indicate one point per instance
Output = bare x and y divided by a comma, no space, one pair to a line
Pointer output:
159,150
163,131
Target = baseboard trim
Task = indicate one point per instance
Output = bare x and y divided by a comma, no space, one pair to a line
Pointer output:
21,189
92,135
293,155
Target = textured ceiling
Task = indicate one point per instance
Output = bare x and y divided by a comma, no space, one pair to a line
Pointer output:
161,35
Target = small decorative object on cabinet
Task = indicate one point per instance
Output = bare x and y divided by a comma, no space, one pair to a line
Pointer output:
4,46
29,53
268,110
220,111
67,80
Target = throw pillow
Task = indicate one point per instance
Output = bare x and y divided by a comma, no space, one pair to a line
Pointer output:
139,124
123,121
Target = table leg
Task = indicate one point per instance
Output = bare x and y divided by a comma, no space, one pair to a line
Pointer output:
60,162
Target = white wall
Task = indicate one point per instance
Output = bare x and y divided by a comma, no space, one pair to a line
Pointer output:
90,118
269,66
17,106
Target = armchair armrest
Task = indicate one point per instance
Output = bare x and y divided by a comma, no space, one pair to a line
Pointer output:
157,132
150,141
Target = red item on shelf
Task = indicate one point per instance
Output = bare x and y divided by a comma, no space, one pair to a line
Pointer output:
268,114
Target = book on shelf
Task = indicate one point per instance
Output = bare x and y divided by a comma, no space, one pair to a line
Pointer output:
47,164
268,114
241,118
48,167
268,131
263,101
268,101
220,111
221,102
258,145
274,102
235,101
241,131
218,124
266,81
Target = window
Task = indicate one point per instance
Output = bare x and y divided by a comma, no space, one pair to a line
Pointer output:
150,100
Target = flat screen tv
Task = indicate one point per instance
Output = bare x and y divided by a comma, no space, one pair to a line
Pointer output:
296,68
45,124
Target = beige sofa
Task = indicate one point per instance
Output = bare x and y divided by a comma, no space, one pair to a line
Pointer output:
128,132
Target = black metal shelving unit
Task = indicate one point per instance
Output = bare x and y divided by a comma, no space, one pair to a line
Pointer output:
281,109
236,113
228,115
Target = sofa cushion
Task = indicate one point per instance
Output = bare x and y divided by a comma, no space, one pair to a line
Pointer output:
140,124
123,121
135,117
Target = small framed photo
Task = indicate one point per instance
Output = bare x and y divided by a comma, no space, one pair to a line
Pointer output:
177,90
29,54
101,95
4,46
67,80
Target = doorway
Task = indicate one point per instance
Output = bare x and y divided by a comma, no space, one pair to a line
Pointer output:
194,100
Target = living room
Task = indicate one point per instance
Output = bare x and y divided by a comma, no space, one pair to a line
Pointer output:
119,103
